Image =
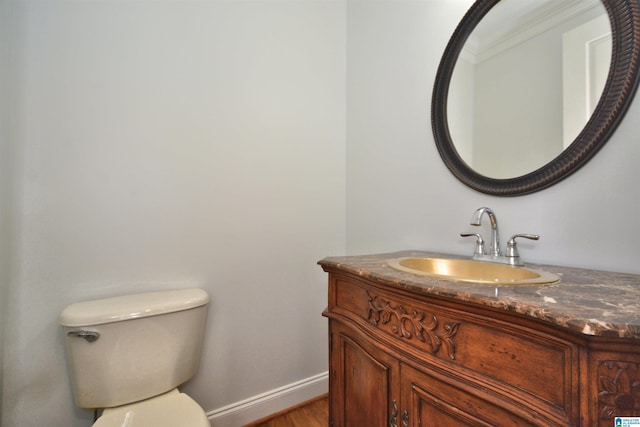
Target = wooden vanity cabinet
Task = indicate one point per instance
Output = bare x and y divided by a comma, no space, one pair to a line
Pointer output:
402,359
365,381
372,388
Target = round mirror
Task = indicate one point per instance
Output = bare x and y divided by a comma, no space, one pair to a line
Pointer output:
528,90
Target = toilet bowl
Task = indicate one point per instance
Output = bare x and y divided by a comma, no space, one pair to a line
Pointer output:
172,409
127,355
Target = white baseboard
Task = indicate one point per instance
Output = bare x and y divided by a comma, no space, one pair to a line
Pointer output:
256,407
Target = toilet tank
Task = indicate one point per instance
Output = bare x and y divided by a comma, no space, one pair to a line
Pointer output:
129,348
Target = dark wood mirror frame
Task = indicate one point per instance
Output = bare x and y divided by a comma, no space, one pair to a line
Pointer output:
621,85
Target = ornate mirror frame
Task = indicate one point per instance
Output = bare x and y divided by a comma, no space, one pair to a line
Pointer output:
622,82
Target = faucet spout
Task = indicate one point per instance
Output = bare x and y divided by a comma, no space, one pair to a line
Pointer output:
476,219
494,253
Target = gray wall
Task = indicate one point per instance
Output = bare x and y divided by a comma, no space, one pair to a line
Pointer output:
171,144
4,179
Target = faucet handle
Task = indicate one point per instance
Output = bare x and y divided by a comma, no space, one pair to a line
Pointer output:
512,248
479,242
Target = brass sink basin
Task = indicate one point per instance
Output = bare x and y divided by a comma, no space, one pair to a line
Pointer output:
468,270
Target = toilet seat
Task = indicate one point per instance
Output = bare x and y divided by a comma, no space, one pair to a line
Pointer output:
167,410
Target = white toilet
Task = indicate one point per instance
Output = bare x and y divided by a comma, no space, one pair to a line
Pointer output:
127,355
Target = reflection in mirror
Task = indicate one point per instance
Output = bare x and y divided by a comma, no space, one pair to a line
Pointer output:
526,82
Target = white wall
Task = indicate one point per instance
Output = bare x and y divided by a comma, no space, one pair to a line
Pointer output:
396,182
401,196
170,144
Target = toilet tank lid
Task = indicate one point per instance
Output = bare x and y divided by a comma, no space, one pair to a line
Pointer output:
120,308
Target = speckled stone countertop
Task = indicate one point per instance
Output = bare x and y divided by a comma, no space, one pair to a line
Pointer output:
589,302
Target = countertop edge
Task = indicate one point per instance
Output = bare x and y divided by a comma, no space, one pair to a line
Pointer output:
586,302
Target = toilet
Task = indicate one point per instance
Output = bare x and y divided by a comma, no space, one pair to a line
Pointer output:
127,355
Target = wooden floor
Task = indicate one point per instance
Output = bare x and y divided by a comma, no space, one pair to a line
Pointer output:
313,413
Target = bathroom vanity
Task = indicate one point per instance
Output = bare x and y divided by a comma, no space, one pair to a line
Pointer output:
409,350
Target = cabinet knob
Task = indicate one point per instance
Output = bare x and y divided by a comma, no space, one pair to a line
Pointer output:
393,419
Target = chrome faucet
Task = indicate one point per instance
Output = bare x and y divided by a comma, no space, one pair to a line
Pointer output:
495,254
476,219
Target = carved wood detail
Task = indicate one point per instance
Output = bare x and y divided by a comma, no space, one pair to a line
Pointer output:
412,324
618,389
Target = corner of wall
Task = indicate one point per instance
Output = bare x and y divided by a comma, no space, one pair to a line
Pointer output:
6,73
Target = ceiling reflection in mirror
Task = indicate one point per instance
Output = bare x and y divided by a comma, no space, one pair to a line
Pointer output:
526,82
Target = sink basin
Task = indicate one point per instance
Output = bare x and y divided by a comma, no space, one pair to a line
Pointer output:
468,270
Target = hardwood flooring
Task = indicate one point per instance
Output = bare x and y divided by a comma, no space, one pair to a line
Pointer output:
313,413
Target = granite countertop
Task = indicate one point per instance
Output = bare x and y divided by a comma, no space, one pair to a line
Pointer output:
590,302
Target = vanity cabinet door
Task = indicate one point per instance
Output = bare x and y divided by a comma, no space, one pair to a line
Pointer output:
436,400
364,382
